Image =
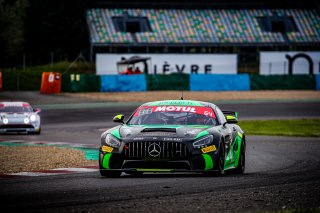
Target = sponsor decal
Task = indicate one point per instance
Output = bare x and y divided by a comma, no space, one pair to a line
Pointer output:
209,149
176,103
168,63
288,63
106,148
145,111
193,131
138,139
207,111
172,139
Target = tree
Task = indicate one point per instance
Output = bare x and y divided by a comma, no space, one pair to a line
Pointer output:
12,34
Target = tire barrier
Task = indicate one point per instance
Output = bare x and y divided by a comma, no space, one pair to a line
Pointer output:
50,83
123,83
282,82
81,83
168,82
219,82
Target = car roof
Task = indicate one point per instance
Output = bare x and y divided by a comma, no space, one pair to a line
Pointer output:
14,103
179,103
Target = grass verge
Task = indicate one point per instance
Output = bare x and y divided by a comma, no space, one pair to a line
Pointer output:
294,127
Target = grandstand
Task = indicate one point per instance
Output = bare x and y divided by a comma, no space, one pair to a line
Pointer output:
200,26
227,26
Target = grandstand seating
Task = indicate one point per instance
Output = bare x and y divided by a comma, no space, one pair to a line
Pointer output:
204,26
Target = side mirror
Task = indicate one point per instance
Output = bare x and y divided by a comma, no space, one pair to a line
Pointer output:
118,118
231,119
37,110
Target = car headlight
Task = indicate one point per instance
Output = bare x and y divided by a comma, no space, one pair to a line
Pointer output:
203,141
26,120
112,141
5,120
33,118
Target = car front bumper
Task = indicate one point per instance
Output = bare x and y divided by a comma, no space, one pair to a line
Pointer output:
193,163
19,128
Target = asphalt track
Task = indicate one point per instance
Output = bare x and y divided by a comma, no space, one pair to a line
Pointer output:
282,173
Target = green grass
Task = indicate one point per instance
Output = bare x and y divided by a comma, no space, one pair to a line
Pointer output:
294,127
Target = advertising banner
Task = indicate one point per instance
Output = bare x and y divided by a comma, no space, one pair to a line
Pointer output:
166,63
287,63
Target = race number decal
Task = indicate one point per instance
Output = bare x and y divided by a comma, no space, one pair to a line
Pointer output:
51,78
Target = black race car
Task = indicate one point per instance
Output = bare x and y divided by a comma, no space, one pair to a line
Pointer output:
173,136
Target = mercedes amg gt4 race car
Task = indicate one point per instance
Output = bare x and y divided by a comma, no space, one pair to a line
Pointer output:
19,117
173,136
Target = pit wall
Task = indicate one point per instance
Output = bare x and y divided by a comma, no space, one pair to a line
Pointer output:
194,82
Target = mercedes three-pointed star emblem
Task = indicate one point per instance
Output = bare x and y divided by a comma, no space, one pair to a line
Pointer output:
154,150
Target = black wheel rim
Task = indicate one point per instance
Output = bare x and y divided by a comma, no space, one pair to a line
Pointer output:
221,158
243,160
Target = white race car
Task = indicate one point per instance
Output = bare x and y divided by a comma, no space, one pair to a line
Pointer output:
19,117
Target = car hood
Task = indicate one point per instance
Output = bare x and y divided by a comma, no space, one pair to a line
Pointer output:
171,131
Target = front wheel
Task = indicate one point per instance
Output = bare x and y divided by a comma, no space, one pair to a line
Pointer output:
107,173
38,133
110,174
220,163
35,133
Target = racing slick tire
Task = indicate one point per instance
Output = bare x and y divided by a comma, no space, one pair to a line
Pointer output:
35,133
220,163
110,174
242,161
38,133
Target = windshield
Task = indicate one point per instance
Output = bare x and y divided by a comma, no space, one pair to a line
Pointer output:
174,115
15,109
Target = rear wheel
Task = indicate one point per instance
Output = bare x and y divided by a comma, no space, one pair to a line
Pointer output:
242,161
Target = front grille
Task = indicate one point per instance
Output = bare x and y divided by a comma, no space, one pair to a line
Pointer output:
169,150
16,126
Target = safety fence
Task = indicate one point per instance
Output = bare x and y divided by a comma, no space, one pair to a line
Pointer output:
80,83
318,82
123,83
168,82
283,82
222,82
25,81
